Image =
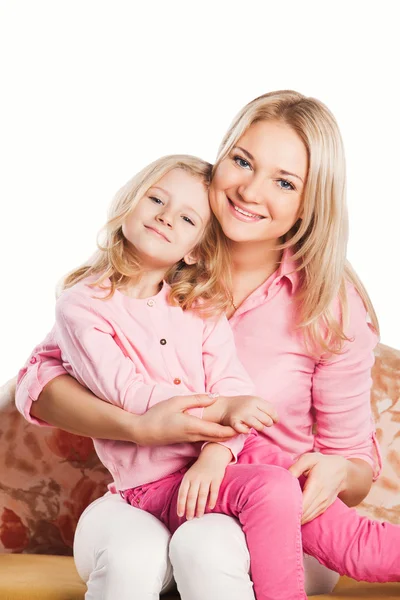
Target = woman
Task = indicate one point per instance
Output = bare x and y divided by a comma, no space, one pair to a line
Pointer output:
299,315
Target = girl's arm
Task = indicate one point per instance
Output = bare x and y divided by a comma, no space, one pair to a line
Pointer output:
201,483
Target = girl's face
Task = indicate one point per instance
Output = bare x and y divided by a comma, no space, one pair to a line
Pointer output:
169,221
256,192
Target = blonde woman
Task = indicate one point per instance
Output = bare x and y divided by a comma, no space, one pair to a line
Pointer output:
305,331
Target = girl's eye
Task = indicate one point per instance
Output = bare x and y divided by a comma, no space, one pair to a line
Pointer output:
155,200
286,184
242,162
187,220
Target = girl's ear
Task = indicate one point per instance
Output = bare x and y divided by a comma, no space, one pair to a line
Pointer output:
190,259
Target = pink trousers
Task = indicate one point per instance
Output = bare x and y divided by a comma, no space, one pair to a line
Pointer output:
260,492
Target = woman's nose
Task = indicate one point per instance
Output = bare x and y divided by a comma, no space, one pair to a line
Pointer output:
253,192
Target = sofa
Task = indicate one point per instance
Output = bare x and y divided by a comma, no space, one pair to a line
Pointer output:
48,477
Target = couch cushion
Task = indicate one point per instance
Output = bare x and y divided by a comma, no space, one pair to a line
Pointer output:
48,477
348,589
30,577
35,577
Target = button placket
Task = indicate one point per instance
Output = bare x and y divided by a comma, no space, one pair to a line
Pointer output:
163,326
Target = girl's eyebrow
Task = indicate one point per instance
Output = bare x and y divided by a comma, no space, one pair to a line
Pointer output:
155,187
280,171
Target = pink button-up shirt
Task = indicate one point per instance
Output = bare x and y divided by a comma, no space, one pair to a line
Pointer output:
135,353
333,395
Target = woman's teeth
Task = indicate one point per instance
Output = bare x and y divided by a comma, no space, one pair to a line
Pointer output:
245,213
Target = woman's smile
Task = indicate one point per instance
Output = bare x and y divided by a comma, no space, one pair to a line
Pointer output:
242,214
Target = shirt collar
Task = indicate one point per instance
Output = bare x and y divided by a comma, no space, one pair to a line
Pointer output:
287,269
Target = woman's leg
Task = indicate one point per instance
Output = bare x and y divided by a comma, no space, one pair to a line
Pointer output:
121,552
318,578
211,560
353,545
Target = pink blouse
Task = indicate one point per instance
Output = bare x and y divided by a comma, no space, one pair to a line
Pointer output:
323,405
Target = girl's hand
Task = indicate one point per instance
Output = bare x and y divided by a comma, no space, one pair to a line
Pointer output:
167,423
202,481
244,412
326,478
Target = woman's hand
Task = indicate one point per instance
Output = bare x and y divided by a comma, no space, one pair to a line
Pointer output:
326,478
202,481
167,423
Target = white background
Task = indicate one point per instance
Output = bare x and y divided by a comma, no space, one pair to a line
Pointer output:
93,90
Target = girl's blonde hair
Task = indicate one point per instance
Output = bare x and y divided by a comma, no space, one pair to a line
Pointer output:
319,238
201,286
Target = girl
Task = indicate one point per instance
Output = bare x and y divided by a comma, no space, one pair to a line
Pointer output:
288,279
132,320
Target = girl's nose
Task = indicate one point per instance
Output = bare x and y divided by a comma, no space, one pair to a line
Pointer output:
165,219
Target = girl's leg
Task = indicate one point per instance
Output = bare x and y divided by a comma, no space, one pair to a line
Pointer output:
121,552
211,560
353,545
267,500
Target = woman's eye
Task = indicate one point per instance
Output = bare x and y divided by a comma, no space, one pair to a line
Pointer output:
155,200
187,220
242,162
287,185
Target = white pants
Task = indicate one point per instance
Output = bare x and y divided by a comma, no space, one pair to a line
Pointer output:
122,552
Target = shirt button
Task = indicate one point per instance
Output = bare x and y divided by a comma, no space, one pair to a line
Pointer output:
163,342
177,381
137,500
150,302
33,360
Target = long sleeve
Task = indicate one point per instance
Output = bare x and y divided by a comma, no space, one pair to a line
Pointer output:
89,345
43,365
341,393
224,372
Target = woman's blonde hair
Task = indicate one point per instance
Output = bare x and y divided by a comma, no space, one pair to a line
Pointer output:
201,286
319,238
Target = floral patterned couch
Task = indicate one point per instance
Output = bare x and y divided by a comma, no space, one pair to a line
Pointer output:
48,477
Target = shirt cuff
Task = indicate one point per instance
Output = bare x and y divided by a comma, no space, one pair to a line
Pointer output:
31,386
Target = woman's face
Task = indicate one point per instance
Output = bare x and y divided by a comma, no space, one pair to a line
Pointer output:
256,193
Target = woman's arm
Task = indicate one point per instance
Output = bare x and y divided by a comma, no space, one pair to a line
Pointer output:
66,404
358,481
345,461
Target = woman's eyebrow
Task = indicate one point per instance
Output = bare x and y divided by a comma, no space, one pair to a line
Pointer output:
250,156
280,171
